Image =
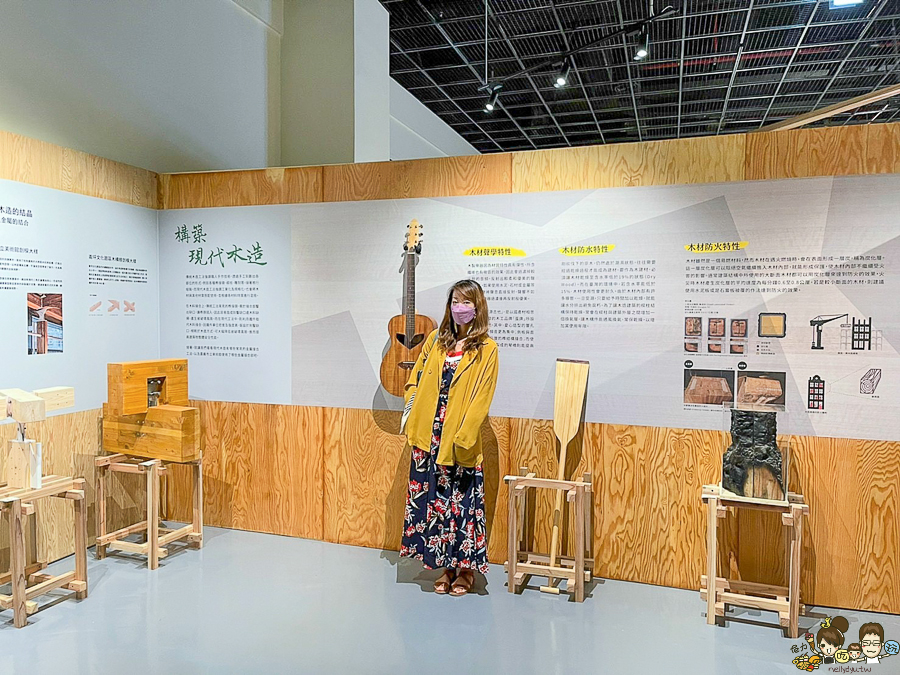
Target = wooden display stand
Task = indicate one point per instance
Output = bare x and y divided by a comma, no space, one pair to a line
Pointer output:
17,503
522,564
157,538
147,424
571,388
782,599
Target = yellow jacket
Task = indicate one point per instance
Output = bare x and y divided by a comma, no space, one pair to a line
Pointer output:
471,392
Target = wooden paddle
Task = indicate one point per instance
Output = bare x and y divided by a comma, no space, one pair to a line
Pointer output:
571,385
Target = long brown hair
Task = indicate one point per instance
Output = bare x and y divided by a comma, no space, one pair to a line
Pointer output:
448,332
833,634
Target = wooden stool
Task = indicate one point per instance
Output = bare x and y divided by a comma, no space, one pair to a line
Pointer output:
18,503
782,599
521,564
157,537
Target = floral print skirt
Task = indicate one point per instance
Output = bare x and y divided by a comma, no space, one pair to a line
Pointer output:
445,523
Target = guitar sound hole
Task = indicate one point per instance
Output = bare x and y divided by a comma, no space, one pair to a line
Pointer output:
416,340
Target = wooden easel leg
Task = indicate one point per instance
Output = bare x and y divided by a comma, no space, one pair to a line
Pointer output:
153,514
197,496
17,563
588,518
579,544
512,537
100,549
794,582
81,544
711,553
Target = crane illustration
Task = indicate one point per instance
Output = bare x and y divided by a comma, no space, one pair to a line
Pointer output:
817,324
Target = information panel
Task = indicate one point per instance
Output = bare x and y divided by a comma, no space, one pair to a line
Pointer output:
78,288
683,298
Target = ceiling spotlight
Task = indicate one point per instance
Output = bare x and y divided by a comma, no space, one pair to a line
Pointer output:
562,77
643,49
492,101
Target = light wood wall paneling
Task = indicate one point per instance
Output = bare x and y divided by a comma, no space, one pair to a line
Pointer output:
28,160
779,154
262,469
838,151
366,476
877,537
292,185
857,149
695,160
341,476
495,434
883,148
440,177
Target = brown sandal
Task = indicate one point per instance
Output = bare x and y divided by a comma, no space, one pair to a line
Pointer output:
442,583
462,584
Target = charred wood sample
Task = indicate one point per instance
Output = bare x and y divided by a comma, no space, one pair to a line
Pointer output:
752,465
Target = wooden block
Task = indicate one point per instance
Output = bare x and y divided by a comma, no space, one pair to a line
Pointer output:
57,397
707,390
26,407
127,384
23,465
167,432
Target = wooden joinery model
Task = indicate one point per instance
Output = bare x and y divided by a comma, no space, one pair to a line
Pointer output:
147,412
23,465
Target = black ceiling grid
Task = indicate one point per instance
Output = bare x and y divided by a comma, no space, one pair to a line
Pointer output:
717,66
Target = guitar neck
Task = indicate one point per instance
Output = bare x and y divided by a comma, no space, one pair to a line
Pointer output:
410,300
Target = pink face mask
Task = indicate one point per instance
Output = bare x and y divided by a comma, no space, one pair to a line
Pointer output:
462,314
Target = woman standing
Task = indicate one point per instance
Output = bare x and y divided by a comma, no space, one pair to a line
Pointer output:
451,388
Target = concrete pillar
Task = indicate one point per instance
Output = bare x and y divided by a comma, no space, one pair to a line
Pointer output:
335,82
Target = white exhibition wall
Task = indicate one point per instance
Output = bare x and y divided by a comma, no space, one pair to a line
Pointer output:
96,258
683,298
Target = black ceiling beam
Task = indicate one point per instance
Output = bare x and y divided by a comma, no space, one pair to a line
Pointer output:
634,27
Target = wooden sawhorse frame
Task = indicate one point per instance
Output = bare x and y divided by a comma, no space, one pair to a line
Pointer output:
782,599
521,564
157,537
18,503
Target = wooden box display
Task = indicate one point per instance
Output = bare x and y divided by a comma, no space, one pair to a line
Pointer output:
167,432
131,384
147,414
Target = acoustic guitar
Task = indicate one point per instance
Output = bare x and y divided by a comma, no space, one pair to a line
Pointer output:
408,330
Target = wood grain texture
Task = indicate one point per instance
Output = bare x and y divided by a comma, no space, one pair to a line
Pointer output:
696,160
291,185
393,377
883,148
366,475
838,151
780,154
28,160
439,177
262,470
857,149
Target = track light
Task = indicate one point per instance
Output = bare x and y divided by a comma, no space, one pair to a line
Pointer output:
643,49
562,77
492,101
